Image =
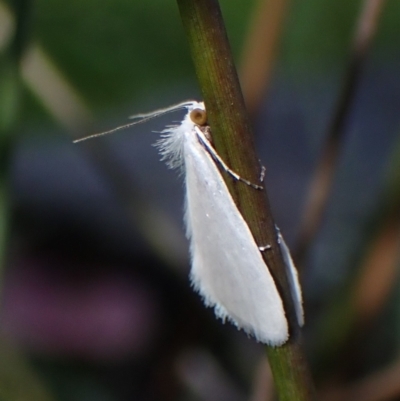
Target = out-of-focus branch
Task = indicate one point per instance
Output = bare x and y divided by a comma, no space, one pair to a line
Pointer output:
321,182
369,290
260,50
51,87
378,273
262,384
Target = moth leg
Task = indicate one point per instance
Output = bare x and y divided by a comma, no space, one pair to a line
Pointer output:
218,159
262,173
264,248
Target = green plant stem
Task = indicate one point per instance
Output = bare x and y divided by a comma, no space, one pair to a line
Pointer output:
233,140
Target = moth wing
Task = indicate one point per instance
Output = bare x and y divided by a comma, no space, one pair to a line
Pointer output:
227,267
293,280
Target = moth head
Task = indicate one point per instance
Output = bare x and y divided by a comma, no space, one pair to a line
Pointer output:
199,117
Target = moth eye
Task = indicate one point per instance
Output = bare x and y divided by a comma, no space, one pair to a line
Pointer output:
198,116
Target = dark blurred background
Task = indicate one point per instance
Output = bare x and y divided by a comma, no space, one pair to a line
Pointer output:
95,297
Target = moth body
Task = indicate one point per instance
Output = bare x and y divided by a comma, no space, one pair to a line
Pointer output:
227,268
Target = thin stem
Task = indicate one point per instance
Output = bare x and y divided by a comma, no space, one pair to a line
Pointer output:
233,141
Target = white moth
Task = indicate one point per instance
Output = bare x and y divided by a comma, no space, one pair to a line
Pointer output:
227,266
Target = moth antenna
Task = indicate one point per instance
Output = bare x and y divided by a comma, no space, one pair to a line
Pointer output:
143,117
159,112
108,132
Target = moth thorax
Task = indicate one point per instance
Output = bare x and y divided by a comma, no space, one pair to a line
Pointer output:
199,117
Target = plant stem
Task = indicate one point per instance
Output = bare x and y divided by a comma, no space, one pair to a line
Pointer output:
233,140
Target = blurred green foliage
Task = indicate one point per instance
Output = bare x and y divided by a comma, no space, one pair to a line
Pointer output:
116,52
